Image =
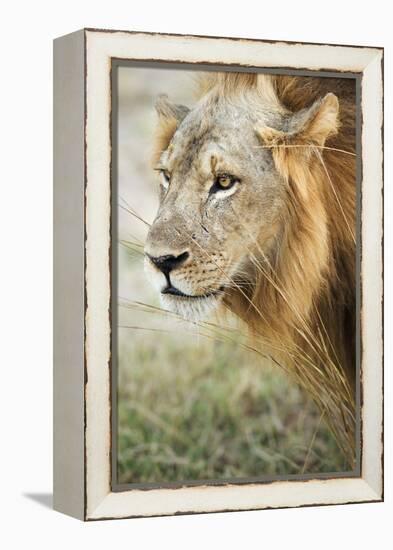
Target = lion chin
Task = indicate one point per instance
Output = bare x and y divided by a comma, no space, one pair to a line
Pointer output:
193,309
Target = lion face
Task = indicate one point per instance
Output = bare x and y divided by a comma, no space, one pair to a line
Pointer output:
222,199
220,195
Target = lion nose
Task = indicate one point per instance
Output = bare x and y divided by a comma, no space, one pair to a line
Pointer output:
168,262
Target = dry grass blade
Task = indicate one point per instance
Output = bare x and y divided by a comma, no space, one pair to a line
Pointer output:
127,208
290,146
157,421
312,441
318,153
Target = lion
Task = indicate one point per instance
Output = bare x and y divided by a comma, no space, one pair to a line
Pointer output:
257,216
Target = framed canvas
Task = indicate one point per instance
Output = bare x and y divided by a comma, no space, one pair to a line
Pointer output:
218,340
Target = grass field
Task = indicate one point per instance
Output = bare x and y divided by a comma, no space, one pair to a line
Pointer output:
192,408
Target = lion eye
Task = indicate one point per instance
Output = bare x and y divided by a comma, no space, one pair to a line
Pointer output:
165,177
223,182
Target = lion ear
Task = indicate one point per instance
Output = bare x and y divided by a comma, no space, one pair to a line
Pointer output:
318,122
169,118
292,147
311,126
167,110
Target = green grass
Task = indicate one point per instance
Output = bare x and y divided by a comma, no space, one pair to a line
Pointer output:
191,408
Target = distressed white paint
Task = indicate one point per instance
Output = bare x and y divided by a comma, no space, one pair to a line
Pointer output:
101,46
372,284
225,50
234,497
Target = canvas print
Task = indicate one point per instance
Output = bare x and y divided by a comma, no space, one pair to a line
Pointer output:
234,254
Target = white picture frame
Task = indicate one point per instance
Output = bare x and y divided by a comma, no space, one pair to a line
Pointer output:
82,363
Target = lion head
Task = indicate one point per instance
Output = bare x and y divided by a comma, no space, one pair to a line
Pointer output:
223,193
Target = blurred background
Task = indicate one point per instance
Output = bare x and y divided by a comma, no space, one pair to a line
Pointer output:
192,404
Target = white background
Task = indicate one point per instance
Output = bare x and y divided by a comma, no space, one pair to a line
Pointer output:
27,29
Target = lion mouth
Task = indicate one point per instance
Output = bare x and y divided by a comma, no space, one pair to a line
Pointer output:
190,307
173,291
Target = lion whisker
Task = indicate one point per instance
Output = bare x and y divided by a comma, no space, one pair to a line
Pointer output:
131,251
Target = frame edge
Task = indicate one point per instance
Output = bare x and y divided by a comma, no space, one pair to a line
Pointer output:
69,265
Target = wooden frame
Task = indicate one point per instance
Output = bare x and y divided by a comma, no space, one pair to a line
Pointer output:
82,335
